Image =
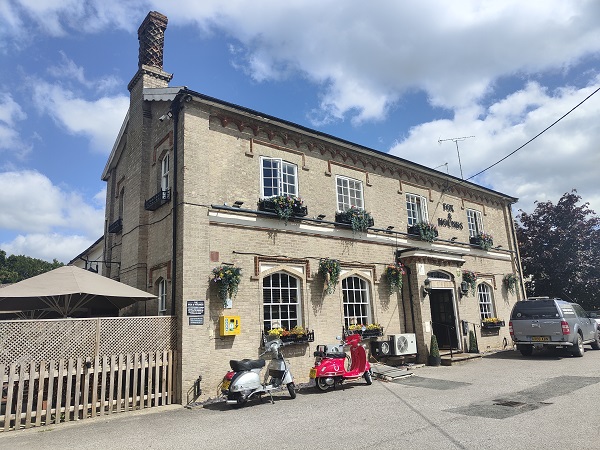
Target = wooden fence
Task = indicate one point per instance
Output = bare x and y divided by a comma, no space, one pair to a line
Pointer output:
75,389
60,370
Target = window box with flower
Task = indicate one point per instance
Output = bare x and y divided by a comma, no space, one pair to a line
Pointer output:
426,231
227,278
491,323
297,335
357,218
365,331
483,240
285,206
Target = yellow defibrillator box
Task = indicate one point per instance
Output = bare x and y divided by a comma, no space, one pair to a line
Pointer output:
229,325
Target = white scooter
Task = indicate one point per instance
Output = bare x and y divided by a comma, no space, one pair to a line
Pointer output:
243,381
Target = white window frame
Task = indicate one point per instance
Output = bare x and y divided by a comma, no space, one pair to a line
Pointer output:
349,192
475,222
162,297
486,302
164,173
285,179
416,209
281,299
356,301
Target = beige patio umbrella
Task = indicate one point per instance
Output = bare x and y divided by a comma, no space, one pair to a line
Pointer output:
68,289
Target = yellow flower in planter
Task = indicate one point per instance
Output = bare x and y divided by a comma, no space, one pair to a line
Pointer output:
276,332
491,320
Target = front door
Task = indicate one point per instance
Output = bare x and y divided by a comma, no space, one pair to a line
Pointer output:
443,318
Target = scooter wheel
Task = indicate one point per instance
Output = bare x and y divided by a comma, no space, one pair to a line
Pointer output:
240,401
292,389
368,378
321,384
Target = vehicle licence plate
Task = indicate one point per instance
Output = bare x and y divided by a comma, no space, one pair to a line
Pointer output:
540,338
313,373
225,385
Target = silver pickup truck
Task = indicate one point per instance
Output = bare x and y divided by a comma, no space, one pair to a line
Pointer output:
540,322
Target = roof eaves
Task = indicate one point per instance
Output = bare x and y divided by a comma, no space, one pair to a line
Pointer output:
113,152
263,116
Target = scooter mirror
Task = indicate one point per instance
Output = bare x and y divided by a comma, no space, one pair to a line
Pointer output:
339,338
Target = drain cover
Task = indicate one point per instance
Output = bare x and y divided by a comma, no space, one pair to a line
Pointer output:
510,403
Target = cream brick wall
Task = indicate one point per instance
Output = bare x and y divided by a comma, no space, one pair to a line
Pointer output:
219,152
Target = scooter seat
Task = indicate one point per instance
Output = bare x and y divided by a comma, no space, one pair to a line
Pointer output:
329,355
246,364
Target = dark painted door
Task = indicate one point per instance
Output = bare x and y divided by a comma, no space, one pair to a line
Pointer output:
442,318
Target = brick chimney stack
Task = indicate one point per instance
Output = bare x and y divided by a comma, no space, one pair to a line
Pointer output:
151,35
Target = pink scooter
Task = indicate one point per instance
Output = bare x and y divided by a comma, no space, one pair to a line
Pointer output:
330,364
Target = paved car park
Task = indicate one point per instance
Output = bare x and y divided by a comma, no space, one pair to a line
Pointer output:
500,401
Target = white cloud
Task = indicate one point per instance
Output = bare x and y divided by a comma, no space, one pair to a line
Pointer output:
98,120
364,58
52,223
11,113
56,17
562,159
48,246
67,69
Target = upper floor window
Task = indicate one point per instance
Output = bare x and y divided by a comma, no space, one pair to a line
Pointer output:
164,173
162,297
349,193
486,306
475,222
121,202
416,208
278,177
281,301
357,309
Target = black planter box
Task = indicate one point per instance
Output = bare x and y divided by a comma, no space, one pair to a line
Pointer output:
492,325
292,338
413,229
346,219
476,240
366,334
268,205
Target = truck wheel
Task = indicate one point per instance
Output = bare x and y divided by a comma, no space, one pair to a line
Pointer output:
368,378
578,350
292,389
526,350
596,342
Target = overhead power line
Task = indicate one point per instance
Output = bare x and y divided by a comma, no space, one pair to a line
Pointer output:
537,135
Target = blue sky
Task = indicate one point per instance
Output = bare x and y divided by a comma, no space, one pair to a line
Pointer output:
393,76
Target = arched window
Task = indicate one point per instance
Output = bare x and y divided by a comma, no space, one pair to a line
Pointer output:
486,305
281,301
357,309
162,297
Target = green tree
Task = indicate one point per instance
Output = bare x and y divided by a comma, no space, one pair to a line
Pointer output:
560,250
16,268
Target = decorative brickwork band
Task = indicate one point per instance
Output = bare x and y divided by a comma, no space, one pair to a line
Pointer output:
151,35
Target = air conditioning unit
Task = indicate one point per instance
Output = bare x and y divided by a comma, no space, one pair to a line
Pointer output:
403,344
381,348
